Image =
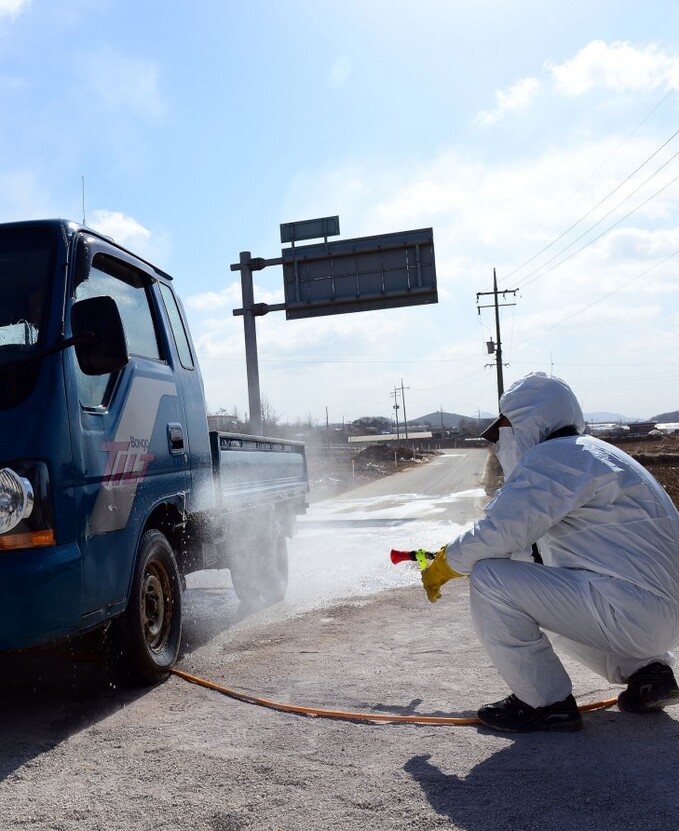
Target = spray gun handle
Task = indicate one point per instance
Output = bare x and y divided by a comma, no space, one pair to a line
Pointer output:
420,556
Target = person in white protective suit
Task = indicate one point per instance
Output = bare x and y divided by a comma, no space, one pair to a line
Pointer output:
603,578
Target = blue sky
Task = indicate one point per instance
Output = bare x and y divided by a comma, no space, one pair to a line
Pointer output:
537,138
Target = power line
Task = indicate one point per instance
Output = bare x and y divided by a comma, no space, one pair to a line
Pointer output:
600,299
598,168
454,383
598,204
598,237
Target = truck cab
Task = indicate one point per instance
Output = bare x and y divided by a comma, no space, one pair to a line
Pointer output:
110,437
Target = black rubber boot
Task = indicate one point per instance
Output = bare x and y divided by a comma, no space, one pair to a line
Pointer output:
649,689
514,716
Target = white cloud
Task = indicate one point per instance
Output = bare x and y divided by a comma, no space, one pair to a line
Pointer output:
518,97
123,229
618,66
633,244
214,299
11,8
151,244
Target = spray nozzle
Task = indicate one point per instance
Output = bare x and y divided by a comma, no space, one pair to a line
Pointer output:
421,556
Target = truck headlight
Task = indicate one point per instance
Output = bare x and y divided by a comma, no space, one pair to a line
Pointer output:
26,516
16,499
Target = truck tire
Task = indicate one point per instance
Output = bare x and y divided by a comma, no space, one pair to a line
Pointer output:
147,636
260,573
275,579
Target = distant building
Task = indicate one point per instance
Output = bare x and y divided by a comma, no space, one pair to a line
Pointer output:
607,429
641,428
384,437
670,428
223,423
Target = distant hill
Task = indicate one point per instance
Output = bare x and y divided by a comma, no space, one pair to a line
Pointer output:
450,421
617,418
603,416
666,418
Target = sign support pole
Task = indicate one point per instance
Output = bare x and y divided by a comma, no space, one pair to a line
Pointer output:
250,332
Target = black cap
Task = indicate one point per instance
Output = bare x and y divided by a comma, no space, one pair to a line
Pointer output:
492,432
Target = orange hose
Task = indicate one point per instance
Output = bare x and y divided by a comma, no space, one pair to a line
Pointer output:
347,715
383,718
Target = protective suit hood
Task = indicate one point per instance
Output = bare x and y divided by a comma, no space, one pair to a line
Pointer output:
537,406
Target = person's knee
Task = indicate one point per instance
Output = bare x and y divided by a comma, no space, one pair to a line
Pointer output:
484,574
492,579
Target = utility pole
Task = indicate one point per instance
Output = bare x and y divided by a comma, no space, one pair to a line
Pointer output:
497,346
403,401
394,395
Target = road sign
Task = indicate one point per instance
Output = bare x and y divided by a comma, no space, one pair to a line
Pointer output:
361,274
327,226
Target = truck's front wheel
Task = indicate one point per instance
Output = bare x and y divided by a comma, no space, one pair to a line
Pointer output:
147,635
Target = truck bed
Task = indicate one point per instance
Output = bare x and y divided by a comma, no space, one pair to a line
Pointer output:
250,470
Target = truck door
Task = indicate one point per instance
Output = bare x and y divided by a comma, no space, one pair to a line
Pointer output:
201,494
128,429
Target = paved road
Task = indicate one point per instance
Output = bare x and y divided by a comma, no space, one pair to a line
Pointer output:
453,472
447,488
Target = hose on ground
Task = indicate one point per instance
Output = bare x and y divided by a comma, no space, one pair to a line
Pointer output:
348,715
317,712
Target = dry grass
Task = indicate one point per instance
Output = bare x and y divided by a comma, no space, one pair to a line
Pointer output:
660,456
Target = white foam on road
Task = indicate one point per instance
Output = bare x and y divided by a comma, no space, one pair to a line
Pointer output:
342,547
337,554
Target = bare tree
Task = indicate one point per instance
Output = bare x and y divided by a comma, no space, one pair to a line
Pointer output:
270,417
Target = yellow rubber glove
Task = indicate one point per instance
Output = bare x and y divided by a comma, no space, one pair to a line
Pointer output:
436,574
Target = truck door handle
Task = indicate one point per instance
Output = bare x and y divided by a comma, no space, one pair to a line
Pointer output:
175,437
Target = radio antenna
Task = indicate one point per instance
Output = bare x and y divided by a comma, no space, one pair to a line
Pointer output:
83,189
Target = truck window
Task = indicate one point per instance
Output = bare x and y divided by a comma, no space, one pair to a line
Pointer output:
26,273
110,278
179,332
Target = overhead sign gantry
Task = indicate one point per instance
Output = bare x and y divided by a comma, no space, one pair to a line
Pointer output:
354,275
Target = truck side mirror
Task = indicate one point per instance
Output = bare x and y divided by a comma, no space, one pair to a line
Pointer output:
101,346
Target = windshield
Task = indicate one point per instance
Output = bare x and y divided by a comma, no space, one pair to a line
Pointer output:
26,267
26,256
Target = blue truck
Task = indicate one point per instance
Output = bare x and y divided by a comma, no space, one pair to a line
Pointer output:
112,486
